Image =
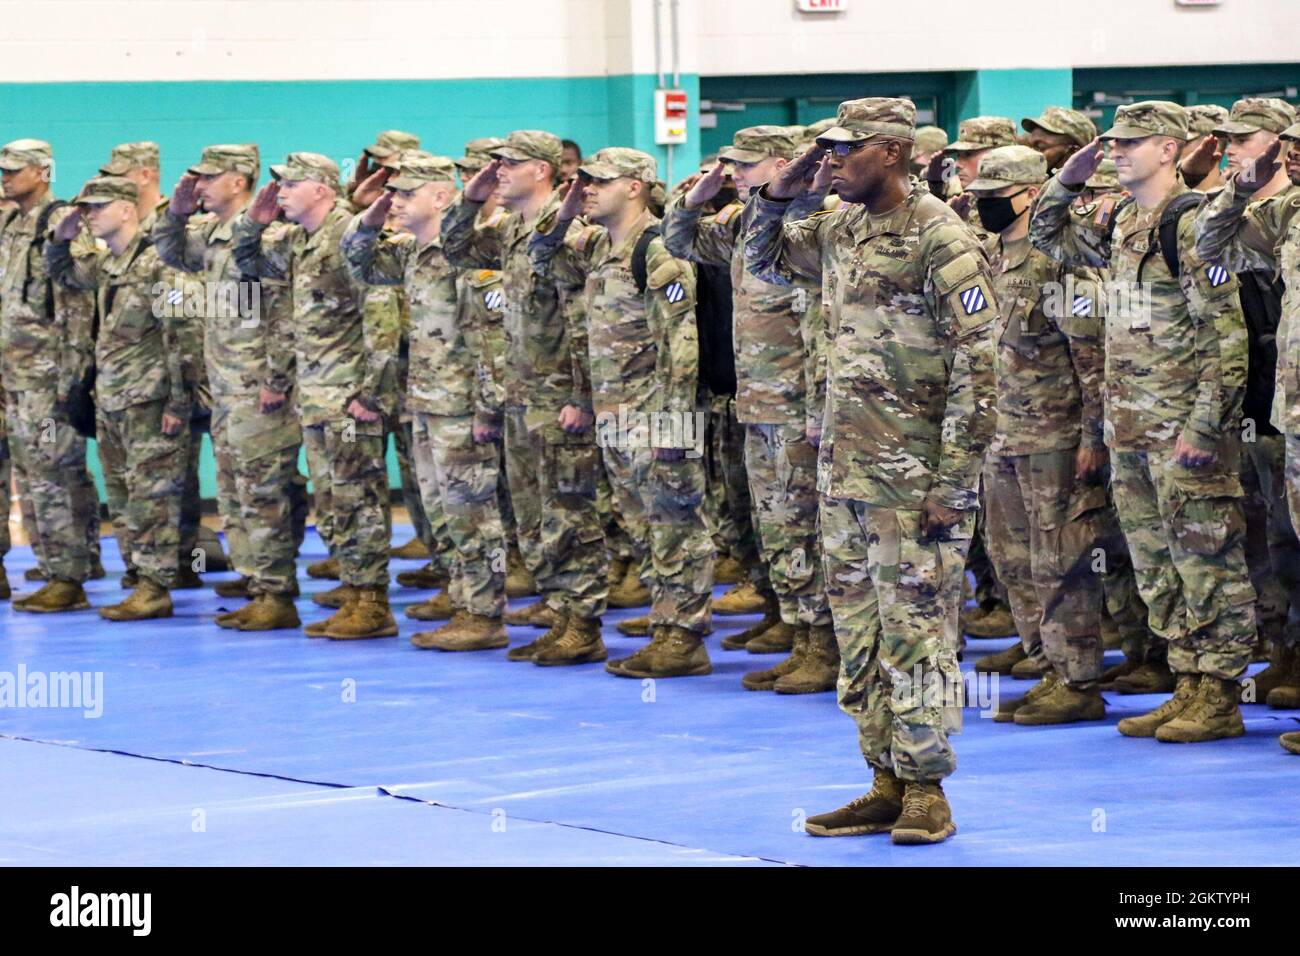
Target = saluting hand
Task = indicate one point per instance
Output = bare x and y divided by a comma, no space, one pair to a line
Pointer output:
706,186
68,226
185,197
265,207
374,217
1078,169
794,178
484,183
1255,174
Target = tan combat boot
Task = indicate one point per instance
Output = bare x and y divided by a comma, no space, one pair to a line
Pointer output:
231,619
537,614
1255,690
1213,714
728,570
53,597
744,598
1286,695
1147,724
34,574
1002,661
426,578
771,617
413,550
874,812
1005,712
149,600
371,617
519,582
187,579
1149,677
926,816
820,668
1123,669
766,679
237,588
1063,704
437,608
269,612
335,597
674,652
580,643
1290,741
1031,668
319,628
464,632
328,569
5,591
525,652
130,580
617,570
630,592
635,626
994,622
777,639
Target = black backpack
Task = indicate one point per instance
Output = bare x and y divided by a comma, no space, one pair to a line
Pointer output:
1166,230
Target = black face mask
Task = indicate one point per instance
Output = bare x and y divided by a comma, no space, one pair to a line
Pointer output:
996,213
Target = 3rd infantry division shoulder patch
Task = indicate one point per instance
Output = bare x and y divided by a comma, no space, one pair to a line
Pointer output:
1217,275
493,299
675,293
972,300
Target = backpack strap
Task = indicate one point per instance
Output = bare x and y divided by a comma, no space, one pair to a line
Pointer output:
639,270
1168,229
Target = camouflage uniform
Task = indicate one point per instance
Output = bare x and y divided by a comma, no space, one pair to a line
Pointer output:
777,351
553,474
144,360
449,389
644,359
45,347
256,453
909,411
342,351
1175,369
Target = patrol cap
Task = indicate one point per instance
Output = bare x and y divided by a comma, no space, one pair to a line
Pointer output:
753,144
1291,132
106,189
1255,113
419,167
813,130
1148,118
391,141
617,162
1204,118
1005,166
22,153
478,153
983,132
1062,122
128,156
313,166
862,119
1106,176
930,139
229,158
525,144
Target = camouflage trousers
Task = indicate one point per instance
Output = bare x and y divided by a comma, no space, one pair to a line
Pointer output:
459,476
1123,601
430,525
728,500
1042,537
6,489
553,478
346,461
989,590
662,503
618,537
51,455
144,477
1272,549
13,478
895,601
1186,535
503,499
782,470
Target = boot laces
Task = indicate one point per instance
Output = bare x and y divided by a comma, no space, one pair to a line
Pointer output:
916,802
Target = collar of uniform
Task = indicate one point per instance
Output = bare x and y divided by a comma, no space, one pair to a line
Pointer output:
116,265
894,224
1019,252
1150,218
225,231
628,245
327,224
433,245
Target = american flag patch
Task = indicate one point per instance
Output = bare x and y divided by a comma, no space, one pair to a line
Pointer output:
674,292
972,300
1217,275
493,299
1082,305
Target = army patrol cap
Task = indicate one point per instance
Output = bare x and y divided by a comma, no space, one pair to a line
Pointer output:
478,153
753,144
525,144
1005,166
1148,118
106,189
814,130
930,139
1253,114
300,166
618,162
1062,122
983,132
22,153
858,120
391,141
1106,176
1204,118
228,158
128,156
1291,132
419,167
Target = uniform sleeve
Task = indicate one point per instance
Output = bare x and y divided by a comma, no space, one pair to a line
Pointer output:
181,351
781,252
573,307
474,320
371,260
709,240
277,332
467,244
180,245
1086,334
270,259
960,287
1059,230
670,312
71,271
812,329
1234,233
382,327
559,251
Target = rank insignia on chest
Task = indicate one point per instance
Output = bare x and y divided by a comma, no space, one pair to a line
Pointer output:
1082,305
674,292
493,299
972,300
1217,275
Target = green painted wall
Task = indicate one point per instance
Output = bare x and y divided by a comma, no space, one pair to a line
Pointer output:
1013,93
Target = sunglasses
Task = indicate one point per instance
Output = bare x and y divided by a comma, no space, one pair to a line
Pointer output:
843,149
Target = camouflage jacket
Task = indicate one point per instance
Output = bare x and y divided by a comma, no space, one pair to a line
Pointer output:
46,330
777,355
145,349
910,382
643,346
1238,234
449,359
481,300
345,344
1176,349
546,352
1050,354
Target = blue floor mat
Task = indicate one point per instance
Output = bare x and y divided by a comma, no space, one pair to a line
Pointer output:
697,770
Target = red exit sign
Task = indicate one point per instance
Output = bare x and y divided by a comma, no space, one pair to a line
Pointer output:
821,6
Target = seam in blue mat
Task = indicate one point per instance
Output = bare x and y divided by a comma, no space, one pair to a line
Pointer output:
387,793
